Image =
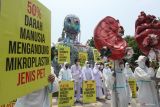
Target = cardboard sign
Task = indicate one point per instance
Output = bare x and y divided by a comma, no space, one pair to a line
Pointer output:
96,55
89,91
132,84
66,94
83,57
25,48
63,54
10,104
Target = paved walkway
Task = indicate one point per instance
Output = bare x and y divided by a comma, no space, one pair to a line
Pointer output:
101,103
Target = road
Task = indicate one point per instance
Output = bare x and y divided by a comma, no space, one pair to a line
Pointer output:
101,103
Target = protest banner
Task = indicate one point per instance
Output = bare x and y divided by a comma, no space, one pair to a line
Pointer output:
10,104
83,57
66,94
25,48
63,54
89,91
132,84
96,55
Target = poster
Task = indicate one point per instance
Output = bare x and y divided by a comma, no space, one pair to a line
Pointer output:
83,57
132,83
63,54
89,91
25,48
96,54
10,104
66,94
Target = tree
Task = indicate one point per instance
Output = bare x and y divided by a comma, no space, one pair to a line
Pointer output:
132,43
90,42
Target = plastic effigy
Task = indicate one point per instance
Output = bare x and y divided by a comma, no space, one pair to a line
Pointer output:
71,30
147,33
70,33
107,34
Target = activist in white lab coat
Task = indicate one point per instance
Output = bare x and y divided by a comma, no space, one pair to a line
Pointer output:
147,94
107,74
158,72
77,76
129,75
87,72
119,91
65,73
39,98
98,78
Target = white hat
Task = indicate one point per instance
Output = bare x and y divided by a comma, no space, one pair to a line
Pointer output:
65,63
141,58
126,63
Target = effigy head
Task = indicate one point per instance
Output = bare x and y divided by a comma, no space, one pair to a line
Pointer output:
72,25
147,32
108,38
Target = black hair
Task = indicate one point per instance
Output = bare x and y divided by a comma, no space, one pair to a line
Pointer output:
76,60
147,63
101,63
122,30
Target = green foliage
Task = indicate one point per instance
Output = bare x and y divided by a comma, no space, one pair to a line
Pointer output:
91,42
132,43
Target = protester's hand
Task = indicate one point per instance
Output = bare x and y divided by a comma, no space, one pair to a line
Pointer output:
51,78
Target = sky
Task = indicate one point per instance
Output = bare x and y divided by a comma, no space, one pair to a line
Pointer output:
91,12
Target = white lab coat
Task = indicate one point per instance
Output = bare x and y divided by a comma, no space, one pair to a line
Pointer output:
147,93
107,77
158,72
38,98
87,73
65,74
77,76
76,73
107,74
98,78
129,75
119,92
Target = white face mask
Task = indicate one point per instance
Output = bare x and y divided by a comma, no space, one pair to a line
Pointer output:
87,65
97,66
101,66
121,66
127,66
78,63
141,64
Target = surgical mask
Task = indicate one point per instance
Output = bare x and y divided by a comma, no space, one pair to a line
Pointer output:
121,66
78,63
66,66
97,66
141,64
127,66
101,66
87,65
120,34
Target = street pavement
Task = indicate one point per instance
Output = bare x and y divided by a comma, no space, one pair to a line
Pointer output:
101,103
